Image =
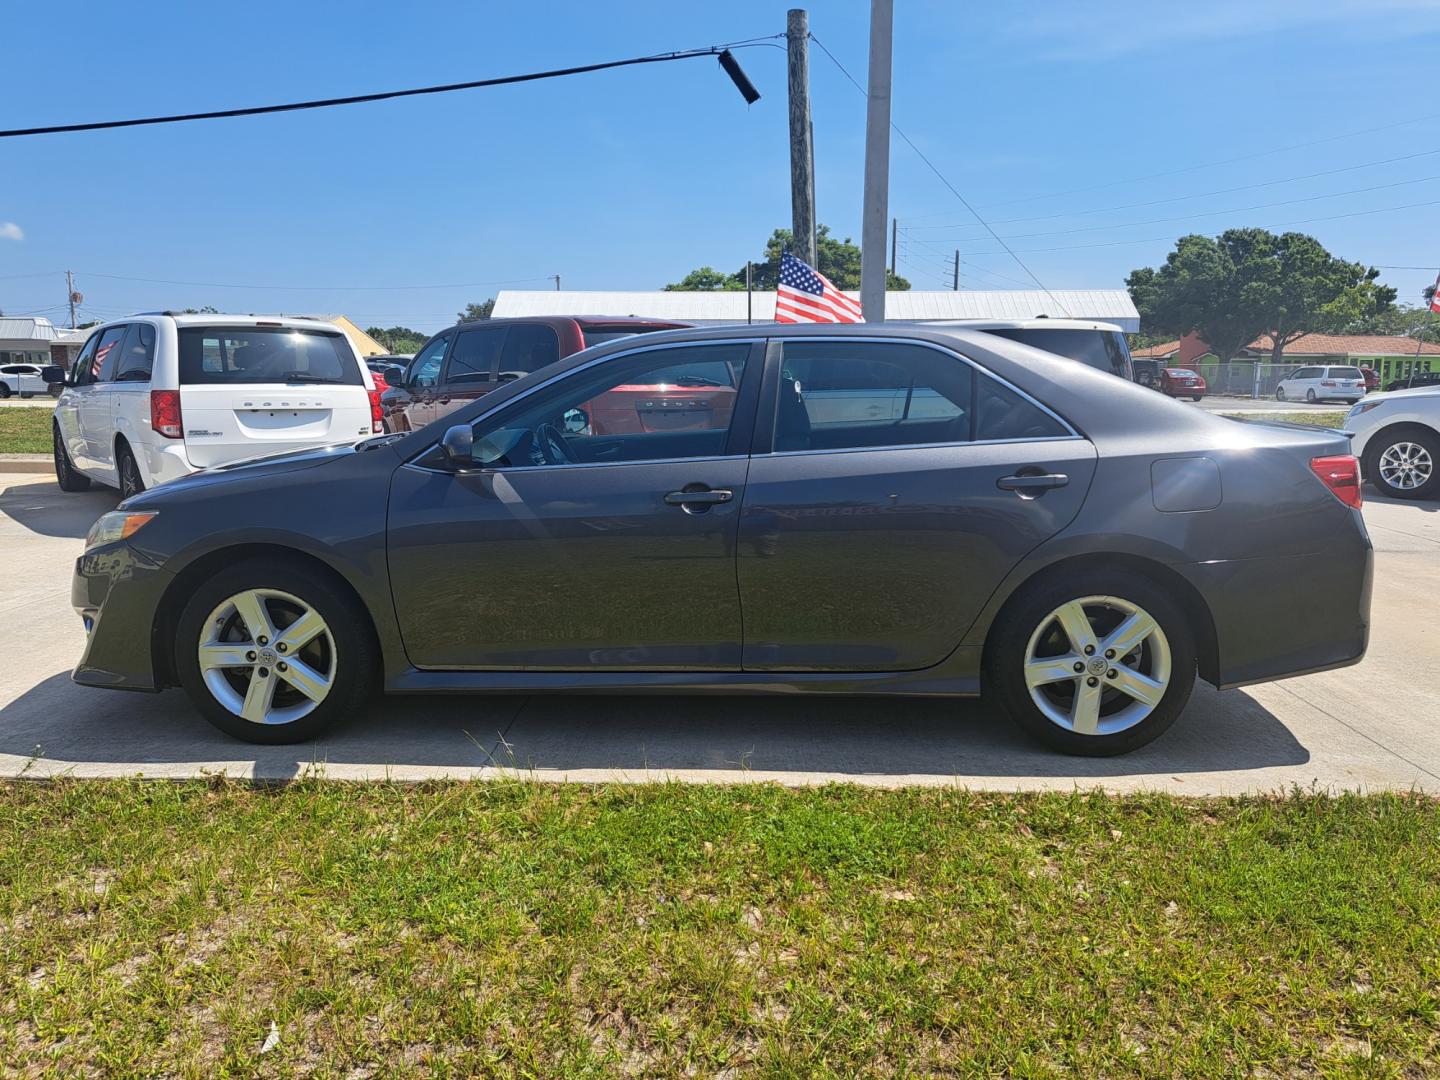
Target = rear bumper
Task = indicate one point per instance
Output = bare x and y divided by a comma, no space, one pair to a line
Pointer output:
117,591
1279,617
167,461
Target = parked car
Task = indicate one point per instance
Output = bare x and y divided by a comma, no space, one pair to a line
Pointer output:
1372,378
1001,518
160,395
27,380
1397,438
391,367
1320,383
1100,345
1418,379
1182,382
469,360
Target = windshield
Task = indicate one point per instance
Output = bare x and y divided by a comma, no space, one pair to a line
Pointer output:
249,354
1103,349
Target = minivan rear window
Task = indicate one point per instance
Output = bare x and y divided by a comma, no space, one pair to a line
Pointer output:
1103,349
1345,373
263,354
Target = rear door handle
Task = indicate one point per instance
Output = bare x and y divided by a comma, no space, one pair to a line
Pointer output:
1032,484
708,497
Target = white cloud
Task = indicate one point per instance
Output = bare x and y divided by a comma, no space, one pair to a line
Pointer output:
10,231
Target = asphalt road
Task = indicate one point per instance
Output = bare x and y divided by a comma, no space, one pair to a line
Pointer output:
1374,726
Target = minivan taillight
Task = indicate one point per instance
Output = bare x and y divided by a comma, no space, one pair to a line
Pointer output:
165,413
377,414
1341,474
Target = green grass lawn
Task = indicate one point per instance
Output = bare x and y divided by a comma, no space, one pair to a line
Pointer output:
25,430
1323,419
531,930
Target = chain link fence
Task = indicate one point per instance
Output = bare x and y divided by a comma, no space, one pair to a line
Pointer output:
1244,378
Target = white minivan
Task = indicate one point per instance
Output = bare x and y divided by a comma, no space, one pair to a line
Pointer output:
161,395
1318,383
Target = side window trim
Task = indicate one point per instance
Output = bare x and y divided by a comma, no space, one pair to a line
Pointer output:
775,359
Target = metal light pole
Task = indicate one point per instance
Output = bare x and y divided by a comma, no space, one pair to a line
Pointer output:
876,204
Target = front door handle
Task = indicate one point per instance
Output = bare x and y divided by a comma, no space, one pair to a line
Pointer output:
699,497
1029,485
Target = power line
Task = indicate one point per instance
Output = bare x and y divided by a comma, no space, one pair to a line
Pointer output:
1196,195
357,99
1204,164
941,177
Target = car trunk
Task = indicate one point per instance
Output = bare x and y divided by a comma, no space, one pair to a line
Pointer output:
226,423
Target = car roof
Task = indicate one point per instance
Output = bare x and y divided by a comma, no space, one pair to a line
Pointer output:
181,318
1041,323
582,321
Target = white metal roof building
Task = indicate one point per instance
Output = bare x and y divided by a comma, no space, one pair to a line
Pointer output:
703,308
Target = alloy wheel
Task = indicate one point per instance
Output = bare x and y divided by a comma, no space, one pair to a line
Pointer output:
130,483
267,656
1097,665
1406,466
62,463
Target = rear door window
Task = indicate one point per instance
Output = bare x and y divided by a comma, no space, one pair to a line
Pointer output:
476,355
243,355
528,347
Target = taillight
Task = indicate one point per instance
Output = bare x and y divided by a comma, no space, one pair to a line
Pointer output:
165,413
1341,474
377,414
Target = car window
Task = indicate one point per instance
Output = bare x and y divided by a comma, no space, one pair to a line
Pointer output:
620,411
107,353
528,347
261,354
476,355
1345,373
81,366
1102,349
137,354
425,368
837,395
1001,413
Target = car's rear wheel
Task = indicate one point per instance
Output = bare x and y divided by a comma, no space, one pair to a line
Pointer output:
1310,396
1094,663
65,474
1405,464
271,652
131,482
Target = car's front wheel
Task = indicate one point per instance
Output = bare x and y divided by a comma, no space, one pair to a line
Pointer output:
272,652
1094,662
1405,464
65,474
4,391
1280,393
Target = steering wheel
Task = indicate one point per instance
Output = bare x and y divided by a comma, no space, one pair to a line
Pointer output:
552,444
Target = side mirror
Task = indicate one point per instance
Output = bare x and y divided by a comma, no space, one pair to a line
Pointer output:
458,446
52,374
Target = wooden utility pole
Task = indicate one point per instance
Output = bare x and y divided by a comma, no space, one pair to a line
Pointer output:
876,204
802,142
956,286
70,295
557,282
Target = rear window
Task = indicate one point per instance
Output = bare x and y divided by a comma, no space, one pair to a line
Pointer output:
594,335
1345,373
1100,349
249,354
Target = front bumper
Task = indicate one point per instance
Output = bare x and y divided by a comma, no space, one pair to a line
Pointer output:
117,592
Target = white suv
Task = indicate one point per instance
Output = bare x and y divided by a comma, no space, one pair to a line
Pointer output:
157,396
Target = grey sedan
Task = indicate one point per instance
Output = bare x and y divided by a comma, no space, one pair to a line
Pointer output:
856,510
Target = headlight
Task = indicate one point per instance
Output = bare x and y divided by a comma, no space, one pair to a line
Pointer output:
1362,408
116,525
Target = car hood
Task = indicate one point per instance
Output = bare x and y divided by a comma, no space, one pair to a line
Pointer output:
256,468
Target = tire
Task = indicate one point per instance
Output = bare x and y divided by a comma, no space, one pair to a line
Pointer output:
1028,629
1310,396
26,396
344,654
1407,456
128,470
4,391
1197,397
1280,393
65,474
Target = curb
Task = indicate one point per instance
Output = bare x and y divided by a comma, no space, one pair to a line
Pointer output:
26,463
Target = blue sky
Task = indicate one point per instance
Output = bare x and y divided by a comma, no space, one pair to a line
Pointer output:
1041,114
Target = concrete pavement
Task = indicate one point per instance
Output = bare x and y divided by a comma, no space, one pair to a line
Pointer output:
1375,726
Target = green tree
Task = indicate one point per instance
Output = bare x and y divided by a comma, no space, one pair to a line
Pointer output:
206,310
473,312
399,339
838,260
1247,282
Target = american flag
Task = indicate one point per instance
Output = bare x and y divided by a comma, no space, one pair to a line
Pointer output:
806,295
1434,295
